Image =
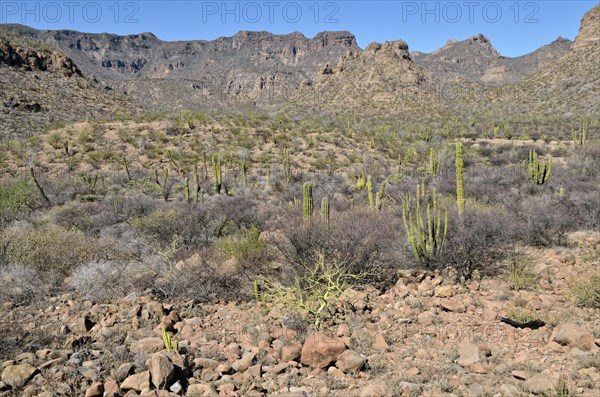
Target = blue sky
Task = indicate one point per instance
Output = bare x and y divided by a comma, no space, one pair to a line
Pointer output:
514,27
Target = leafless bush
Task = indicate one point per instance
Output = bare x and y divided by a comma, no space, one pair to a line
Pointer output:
19,284
478,240
106,280
361,241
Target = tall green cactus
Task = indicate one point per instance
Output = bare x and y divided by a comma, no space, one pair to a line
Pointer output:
539,171
370,192
379,197
196,184
460,183
307,201
426,238
217,181
580,137
325,211
244,170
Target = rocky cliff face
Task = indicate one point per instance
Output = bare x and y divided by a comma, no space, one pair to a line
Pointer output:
475,59
589,31
248,68
328,72
32,60
40,87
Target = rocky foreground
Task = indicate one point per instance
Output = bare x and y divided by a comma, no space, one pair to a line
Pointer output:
426,336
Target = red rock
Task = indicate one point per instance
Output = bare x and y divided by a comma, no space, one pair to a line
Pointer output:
320,351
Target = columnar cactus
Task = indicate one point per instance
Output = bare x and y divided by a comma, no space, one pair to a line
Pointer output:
325,211
370,192
307,202
426,238
460,183
539,172
580,137
379,197
196,184
217,181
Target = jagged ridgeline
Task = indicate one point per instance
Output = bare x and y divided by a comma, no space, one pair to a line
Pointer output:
326,74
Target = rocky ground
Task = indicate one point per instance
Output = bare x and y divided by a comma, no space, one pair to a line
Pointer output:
427,336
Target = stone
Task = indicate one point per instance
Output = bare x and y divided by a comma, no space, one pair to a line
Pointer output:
18,375
507,390
201,390
574,335
96,389
137,382
350,361
243,363
162,371
543,383
111,389
444,291
380,344
148,345
291,352
320,351
468,353
376,388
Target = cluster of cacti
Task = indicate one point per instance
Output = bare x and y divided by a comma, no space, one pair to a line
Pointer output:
217,181
539,171
580,137
360,181
287,165
90,181
325,211
164,185
307,201
425,237
434,163
379,197
460,182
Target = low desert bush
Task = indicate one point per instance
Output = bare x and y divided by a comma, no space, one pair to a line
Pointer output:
361,241
585,291
519,274
14,198
49,248
19,284
477,240
103,281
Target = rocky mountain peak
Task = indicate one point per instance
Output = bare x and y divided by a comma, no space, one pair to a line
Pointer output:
390,49
589,31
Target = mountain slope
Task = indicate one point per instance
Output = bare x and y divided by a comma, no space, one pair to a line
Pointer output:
475,59
41,87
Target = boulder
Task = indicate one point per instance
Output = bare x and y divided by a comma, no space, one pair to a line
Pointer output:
320,351
18,375
350,361
574,335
